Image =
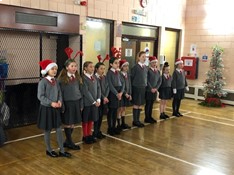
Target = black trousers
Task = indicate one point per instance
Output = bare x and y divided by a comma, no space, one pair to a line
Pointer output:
112,117
148,108
98,123
176,105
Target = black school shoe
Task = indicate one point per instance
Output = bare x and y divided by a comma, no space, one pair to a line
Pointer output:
162,117
87,140
125,126
71,146
179,114
117,131
176,115
138,124
100,135
155,121
65,154
166,115
110,131
148,120
52,154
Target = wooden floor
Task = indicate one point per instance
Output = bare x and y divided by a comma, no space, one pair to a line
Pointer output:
200,143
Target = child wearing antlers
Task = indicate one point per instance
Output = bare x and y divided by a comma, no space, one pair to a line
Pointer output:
99,74
70,83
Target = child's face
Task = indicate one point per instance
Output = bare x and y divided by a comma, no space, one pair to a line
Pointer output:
180,66
53,71
142,58
153,64
101,70
125,68
72,68
166,70
90,68
115,65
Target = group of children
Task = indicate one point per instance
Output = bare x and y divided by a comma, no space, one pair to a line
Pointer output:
72,98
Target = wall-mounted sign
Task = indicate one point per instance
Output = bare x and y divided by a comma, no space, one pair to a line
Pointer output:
188,62
140,12
128,52
193,49
204,58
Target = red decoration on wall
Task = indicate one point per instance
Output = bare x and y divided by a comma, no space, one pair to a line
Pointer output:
83,3
143,3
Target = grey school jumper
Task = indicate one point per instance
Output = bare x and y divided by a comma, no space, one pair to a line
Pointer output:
154,80
71,91
114,80
91,90
127,83
139,76
104,86
178,80
47,93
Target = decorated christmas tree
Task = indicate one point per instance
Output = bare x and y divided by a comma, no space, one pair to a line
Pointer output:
213,85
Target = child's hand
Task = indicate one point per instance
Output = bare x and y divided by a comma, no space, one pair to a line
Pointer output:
119,95
97,104
130,98
105,100
187,88
54,105
59,104
127,96
153,90
174,91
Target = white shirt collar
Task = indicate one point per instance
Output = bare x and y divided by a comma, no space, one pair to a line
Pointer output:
124,73
97,75
179,70
69,75
88,75
49,77
166,75
141,64
154,69
113,70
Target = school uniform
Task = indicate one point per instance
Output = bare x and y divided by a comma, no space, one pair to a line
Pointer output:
139,83
72,101
71,109
153,81
49,91
103,107
127,89
179,83
165,91
116,86
91,94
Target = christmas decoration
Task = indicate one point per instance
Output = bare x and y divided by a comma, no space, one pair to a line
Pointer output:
213,85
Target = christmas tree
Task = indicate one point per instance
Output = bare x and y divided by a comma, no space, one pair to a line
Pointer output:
213,85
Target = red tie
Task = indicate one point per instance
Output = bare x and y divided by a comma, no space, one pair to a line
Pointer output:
116,72
168,77
180,71
52,81
72,78
91,77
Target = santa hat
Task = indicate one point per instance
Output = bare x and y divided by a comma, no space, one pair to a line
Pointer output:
46,65
178,61
153,59
123,63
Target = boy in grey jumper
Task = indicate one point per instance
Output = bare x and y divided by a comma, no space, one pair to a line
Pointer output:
153,83
179,84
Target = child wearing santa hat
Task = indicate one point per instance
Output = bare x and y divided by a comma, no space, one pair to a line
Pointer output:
70,83
127,95
179,85
50,97
153,84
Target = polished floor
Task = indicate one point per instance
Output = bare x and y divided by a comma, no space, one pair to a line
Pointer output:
200,143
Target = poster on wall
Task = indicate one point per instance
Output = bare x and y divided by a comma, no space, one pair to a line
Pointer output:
128,52
193,49
188,62
97,45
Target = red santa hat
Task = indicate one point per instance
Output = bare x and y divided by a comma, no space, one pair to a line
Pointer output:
46,65
123,63
178,61
153,59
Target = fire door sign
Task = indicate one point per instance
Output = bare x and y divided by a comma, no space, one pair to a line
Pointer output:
188,62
